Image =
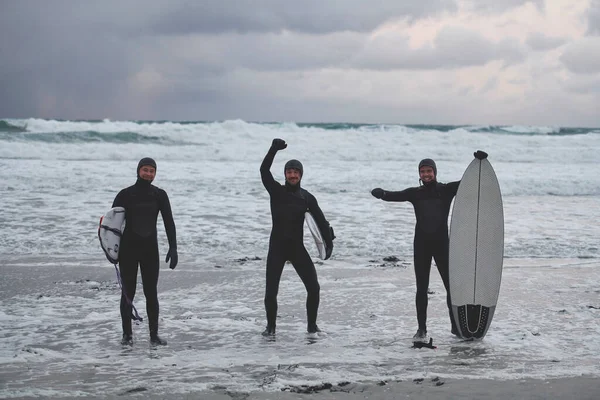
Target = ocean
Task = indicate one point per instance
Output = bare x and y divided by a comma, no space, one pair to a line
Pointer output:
59,298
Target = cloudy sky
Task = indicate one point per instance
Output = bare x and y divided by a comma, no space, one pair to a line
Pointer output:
507,62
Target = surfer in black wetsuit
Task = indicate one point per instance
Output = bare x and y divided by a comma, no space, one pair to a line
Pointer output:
289,202
431,202
139,245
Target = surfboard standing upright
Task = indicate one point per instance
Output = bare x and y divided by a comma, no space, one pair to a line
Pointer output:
476,249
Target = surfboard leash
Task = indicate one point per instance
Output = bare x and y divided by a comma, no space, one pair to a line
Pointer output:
134,314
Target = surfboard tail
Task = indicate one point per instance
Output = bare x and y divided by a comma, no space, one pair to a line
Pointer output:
473,320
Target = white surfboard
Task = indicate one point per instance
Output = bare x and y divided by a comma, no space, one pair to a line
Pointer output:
110,230
476,249
316,234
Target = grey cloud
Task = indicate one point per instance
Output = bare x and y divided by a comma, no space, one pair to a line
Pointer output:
497,6
309,16
182,17
83,53
594,18
584,85
262,51
490,85
54,64
540,42
583,56
453,47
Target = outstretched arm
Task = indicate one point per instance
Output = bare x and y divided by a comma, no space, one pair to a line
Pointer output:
403,195
265,168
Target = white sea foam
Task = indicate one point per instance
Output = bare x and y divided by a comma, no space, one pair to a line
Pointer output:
61,333
54,192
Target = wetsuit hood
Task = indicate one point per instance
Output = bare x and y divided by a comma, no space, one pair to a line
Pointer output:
293,164
428,162
143,162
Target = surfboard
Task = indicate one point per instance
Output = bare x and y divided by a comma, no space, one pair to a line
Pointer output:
476,249
316,234
110,230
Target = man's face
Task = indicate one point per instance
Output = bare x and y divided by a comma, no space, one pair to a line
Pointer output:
426,174
147,173
292,175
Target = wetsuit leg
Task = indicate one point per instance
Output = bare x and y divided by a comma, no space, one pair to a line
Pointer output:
441,256
149,268
306,270
275,262
128,269
422,260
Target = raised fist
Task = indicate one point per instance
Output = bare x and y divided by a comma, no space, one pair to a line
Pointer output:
278,144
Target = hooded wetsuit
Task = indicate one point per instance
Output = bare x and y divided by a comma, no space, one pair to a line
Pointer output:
288,205
139,245
432,206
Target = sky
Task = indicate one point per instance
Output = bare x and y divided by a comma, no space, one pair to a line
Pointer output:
496,62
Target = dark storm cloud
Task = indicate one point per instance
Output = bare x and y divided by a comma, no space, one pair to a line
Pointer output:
57,63
264,52
262,59
70,54
307,16
540,42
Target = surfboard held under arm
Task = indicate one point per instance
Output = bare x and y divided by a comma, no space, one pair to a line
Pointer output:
110,230
316,234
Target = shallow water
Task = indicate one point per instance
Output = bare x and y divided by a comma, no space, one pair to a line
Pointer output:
61,329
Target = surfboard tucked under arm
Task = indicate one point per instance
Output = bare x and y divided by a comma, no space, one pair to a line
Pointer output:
316,234
110,230
476,249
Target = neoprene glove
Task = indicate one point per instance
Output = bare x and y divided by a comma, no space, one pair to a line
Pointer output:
328,251
378,192
480,155
172,255
278,144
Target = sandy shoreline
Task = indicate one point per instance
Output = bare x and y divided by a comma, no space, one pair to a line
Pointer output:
563,388
581,388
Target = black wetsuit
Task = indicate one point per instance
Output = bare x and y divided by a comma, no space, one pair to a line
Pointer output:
432,206
139,245
288,205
